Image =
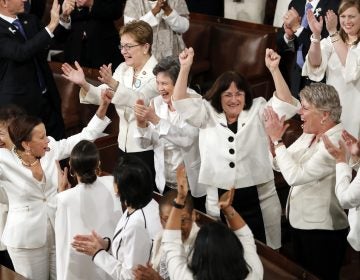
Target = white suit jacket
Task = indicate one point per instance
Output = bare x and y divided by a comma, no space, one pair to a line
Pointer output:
132,242
181,134
80,210
124,99
348,194
4,208
30,204
233,159
310,171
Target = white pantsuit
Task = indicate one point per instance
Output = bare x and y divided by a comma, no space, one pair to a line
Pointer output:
32,203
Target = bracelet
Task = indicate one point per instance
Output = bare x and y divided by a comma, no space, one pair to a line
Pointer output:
109,243
65,19
314,40
334,34
177,205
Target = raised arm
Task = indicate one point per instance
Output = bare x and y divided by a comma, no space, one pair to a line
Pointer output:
272,60
76,76
186,59
316,26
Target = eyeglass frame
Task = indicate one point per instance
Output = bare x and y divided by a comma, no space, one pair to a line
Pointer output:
128,47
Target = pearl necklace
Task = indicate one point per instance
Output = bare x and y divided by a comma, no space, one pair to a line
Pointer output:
26,164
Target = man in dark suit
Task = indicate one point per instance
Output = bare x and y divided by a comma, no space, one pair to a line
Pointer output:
88,30
25,76
293,39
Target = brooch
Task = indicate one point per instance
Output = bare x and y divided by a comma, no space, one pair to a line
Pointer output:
12,30
137,83
317,12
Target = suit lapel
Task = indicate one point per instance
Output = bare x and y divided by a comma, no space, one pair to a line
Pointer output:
11,29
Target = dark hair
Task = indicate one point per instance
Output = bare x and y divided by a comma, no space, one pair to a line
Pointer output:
10,112
20,129
140,30
169,65
344,5
134,181
222,83
218,254
169,197
84,160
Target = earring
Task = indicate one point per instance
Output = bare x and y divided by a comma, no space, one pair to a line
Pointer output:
322,122
71,172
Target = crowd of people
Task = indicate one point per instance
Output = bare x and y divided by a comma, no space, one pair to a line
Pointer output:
215,153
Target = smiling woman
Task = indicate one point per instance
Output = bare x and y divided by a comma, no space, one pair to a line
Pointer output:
30,171
233,144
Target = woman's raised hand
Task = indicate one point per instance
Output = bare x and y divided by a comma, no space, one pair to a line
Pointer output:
186,58
226,199
272,60
275,127
105,73
182,183
352,144
315,25
331,21
339,153
76,76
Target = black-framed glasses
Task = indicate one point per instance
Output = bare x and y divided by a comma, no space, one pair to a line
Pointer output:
128,47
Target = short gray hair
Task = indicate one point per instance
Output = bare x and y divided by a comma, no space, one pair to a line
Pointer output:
324,98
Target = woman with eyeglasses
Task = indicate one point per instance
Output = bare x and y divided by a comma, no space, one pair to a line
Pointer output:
233,143
132,80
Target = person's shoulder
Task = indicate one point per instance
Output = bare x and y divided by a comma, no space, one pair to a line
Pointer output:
66,197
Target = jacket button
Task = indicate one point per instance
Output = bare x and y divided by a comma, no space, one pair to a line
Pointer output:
232,165
232,151
231,139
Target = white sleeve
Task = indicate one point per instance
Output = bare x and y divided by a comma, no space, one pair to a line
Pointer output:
318,73
91,132
347,192
176,258
250,255
295,173
136,245
183,136
283,108
178,23
193,110
148,17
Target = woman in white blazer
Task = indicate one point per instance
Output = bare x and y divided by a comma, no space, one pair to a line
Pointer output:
319,224
347,191
91,205
132,79
233,143
134,234
31,173
174,141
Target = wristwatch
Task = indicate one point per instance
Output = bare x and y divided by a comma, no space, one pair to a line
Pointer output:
177,205
277,142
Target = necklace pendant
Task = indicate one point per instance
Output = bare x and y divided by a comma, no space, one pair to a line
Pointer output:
137,83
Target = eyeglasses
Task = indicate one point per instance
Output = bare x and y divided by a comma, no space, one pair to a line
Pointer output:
128,47
230,95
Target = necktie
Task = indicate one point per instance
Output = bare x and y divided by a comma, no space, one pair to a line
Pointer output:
305,24
40,75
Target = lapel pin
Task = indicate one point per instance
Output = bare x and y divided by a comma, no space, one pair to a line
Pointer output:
12,30
144,72
25,22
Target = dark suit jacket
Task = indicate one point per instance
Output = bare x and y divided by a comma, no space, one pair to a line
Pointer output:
288,54
19,82
93,39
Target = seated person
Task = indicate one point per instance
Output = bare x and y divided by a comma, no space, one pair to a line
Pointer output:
134,234
232,250
189,230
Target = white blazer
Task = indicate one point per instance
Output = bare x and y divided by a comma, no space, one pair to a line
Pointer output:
310,171
233,159
348,194
132,242
124,99
31,204
179,133
4,208
80,210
